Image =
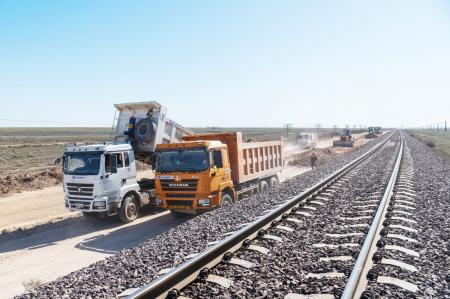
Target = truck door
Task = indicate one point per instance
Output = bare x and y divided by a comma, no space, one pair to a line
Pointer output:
130,167
220,169
113,174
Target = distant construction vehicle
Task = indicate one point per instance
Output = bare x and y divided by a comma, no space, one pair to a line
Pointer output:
345,139
210,170
371,133
100,179
378,130
306,140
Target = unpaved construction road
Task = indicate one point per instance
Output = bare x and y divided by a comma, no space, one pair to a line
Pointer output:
31,208
54,250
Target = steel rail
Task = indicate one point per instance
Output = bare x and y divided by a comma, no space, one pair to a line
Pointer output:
356,283
187,272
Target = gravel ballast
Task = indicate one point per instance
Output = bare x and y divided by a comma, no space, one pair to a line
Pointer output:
292,264
139,265
431,186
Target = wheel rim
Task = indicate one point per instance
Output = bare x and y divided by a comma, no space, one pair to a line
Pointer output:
131,210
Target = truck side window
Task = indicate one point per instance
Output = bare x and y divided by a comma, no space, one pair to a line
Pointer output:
217,155
127,159
131,155
119,160
110,163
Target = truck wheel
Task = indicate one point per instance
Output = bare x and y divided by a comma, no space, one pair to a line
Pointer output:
273,182
225,200
263,186
129,210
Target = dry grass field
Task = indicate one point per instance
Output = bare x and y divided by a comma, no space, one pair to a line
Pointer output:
438,141
28,150
27,155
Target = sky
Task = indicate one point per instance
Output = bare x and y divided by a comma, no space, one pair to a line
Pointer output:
227,63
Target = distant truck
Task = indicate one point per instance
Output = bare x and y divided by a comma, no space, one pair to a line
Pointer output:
211,170
306,140
100,179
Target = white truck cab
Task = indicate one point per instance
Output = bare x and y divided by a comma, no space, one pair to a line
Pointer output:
100,179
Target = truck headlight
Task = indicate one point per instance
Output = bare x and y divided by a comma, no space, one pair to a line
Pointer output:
99,204
158,201
204,202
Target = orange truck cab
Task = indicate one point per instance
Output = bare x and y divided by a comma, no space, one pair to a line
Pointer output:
209,170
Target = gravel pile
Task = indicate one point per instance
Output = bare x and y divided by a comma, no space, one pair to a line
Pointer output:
139,265
432,214
286,269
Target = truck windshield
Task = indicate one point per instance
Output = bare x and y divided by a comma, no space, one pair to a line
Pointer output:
187,159
82,163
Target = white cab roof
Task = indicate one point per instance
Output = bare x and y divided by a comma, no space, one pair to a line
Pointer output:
108,147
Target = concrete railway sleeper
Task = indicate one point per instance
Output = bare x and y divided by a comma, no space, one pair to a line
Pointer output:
272,228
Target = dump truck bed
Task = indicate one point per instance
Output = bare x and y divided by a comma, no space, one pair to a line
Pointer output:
248,160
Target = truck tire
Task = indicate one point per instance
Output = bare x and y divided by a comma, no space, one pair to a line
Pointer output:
129,210
263,186
273,182
144,130
225,200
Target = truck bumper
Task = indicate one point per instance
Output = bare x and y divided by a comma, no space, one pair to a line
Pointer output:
191,204
100,204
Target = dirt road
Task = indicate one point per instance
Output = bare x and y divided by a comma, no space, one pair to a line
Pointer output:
32,208
54,250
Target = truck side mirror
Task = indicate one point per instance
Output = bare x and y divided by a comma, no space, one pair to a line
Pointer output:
58,161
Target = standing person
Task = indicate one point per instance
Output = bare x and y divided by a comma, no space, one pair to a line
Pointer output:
313,160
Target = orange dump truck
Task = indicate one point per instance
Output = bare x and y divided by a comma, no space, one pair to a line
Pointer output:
209,170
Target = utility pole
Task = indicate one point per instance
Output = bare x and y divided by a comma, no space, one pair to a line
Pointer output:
213,129
445,128
287,127
318,130
334,130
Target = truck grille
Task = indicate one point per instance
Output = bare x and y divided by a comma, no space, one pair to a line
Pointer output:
184,203
80,189
183,185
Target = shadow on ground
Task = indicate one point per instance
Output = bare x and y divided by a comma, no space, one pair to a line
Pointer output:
111,242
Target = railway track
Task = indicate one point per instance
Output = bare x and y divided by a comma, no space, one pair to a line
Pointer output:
203,270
